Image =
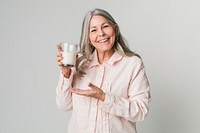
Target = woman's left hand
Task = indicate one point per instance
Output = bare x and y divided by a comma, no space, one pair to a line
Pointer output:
95,92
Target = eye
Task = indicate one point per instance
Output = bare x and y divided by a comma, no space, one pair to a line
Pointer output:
93,30
105,26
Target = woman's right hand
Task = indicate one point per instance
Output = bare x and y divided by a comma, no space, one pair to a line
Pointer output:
66,70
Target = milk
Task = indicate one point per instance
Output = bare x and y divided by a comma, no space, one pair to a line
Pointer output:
69,58
69,51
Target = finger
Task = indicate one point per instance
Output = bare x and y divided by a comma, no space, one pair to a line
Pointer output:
59,54
80,92
92,86
59,47
60,64
74,90
59,59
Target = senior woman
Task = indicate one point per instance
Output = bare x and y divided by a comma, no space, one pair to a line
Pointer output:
108,90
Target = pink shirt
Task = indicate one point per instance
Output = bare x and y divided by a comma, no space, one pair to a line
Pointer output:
125,83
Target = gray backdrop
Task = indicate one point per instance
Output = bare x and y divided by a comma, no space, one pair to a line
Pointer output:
166,33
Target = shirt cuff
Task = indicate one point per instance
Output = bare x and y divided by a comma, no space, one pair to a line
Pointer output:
65,82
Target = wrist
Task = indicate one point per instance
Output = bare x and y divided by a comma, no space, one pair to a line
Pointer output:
66,74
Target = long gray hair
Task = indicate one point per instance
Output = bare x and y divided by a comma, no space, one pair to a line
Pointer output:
86,49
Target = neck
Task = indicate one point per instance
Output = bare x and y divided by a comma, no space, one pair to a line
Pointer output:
104,56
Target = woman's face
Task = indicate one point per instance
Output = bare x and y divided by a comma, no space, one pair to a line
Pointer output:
101,34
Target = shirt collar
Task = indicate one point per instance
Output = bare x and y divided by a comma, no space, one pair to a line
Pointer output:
113,59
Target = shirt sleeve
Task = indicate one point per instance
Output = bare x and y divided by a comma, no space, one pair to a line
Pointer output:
63,95
136,106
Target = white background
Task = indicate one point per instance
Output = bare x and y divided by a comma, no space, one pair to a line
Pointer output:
166,33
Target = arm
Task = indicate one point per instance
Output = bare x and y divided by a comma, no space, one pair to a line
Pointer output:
63,95
135,107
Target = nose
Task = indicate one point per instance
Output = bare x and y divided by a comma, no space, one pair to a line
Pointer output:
101,33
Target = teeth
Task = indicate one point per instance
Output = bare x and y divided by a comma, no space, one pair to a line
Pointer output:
104,40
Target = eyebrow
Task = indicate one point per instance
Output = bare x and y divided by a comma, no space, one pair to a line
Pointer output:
102,24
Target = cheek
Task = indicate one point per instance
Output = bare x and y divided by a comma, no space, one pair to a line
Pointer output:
92,38
110,31
113,36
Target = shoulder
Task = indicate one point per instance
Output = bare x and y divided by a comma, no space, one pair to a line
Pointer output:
133,60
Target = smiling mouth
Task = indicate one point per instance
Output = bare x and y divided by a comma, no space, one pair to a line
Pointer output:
103,40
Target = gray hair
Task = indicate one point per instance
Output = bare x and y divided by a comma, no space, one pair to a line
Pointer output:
86,49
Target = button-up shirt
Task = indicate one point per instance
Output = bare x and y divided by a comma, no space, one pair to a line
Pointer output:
126,87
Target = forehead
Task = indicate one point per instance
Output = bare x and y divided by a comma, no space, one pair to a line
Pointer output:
98,20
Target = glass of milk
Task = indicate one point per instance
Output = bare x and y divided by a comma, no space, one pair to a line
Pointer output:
69,51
